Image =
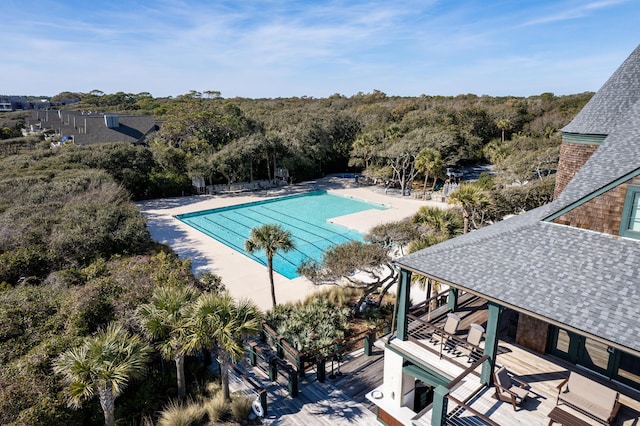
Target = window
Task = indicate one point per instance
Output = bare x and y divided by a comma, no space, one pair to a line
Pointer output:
630,222
629,369
562,343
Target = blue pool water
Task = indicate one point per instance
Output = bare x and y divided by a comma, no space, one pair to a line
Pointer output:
304,215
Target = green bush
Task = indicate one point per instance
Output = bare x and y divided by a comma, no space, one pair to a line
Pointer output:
312,325
168,184
23,262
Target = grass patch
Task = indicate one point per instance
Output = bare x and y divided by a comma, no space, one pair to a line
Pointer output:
181,414
241,407
217,408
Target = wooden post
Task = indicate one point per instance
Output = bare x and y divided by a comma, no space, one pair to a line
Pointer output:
253,359
262,394
293,383
321,371
368,342
273,369
491,343
279,348
300,365
403,304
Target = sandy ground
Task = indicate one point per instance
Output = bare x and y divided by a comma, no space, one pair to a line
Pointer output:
242,276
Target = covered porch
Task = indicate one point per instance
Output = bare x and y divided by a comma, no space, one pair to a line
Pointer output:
445,381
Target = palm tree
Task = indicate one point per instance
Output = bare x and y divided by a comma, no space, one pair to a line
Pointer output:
471,198
445,222
429,161
423,281
270,238
218,320
165,319
103,365
504,124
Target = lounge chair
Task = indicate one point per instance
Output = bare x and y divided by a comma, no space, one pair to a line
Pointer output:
509,389
450,328
476,331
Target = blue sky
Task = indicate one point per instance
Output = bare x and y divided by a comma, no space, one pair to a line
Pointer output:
272,48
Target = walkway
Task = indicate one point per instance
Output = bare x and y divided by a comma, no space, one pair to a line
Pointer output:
316,403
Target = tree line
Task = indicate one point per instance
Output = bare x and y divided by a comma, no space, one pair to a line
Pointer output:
239,140
75,254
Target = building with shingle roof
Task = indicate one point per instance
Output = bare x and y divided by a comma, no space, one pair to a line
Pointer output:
87,128
568,271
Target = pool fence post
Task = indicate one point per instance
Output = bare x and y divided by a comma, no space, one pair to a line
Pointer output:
300,365
279,347
368,341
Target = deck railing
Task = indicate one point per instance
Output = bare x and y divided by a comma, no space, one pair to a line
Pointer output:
300,362
261,393
421,331
462,405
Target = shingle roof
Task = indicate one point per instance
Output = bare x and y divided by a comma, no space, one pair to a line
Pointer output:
618,156
603,112
584,279
587,280
131,129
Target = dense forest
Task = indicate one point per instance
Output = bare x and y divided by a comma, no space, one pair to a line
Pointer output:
75,254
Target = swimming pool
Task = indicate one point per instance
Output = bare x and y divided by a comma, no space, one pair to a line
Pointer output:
304,215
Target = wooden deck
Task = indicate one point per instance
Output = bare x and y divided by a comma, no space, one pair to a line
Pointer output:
341,400
316,404
542,372
360,374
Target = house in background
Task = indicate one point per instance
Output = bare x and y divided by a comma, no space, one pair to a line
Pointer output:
562,281
14,103
87,128
21,103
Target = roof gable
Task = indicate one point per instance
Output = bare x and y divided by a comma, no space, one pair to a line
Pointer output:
616,160
603,112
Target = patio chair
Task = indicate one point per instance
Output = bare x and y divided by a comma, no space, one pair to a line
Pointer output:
476,331
450,328
509,389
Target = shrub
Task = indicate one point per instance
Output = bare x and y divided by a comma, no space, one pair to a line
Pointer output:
241,407
338,296
212,388
312,325
179,414
217,408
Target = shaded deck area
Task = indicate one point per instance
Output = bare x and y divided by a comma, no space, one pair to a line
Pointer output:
316,403
346,398
543,373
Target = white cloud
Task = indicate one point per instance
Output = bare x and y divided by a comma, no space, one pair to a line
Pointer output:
272,48
572,11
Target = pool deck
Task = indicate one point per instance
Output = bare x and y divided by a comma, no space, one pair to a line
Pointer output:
243,277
